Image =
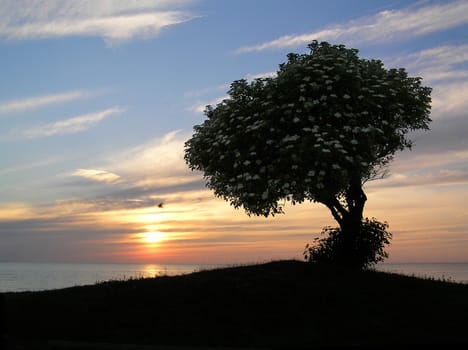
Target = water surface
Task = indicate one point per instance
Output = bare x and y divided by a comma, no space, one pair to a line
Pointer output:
19,277
41,276
455,272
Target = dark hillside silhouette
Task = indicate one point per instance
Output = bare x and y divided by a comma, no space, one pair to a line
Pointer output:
287,304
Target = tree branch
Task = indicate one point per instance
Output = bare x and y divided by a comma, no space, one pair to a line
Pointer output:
337,210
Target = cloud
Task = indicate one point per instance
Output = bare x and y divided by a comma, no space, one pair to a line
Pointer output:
444,69
385,26
441,177
15,211
158,163
112,20
97,175
438,157
140,176
121,197
72,125
450,100
437,64
36,102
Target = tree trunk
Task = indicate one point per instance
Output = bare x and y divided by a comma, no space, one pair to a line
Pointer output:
349,218
351,223
350,231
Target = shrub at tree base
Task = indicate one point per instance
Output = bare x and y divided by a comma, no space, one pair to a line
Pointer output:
367,246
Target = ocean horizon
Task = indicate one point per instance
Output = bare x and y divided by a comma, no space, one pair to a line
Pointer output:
22,277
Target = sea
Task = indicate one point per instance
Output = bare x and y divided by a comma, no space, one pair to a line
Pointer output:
22,277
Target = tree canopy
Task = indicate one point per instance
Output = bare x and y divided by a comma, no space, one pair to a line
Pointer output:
328,122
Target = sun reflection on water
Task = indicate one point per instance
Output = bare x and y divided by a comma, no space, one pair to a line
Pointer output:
152,270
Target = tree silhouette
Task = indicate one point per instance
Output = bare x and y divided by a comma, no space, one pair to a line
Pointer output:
327,123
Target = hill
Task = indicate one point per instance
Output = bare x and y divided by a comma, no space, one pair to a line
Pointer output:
284,304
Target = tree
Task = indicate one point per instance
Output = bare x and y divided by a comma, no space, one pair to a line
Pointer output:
327,123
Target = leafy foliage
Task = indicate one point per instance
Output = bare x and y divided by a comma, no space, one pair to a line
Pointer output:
368,245
327,120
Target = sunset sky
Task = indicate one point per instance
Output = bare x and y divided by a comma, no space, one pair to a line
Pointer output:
98,97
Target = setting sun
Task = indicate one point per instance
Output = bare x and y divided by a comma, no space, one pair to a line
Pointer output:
152,237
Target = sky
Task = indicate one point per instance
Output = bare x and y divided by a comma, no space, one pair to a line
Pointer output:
98,97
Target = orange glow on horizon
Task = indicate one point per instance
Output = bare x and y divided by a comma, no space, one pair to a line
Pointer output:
199,228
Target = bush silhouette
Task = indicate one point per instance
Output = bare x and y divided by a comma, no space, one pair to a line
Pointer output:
368,246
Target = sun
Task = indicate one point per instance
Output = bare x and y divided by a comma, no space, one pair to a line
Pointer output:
152,237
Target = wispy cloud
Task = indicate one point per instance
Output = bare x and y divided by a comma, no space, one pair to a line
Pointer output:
441,177
160,160
97,175
450,100
36,102
71,125
437,64
14,211
444,69
153,168
112,20
383,27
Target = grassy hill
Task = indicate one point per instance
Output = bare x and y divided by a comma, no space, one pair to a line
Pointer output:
283,304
